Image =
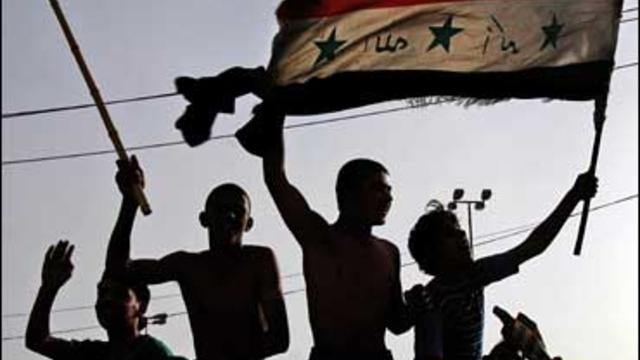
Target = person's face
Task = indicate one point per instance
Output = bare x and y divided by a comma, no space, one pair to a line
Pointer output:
228,216
117,307
373,199
453,247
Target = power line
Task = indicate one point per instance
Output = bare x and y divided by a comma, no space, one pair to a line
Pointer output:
624,66
217,137
510,232
630,9
228,136
84,106
534,224
628,20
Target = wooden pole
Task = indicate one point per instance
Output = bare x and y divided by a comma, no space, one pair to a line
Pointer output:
598,119
95,94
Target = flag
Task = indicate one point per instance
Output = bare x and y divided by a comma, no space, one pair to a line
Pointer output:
331,55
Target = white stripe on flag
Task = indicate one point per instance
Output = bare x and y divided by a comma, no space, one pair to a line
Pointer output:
477,36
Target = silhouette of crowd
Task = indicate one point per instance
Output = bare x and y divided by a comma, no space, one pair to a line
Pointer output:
232,291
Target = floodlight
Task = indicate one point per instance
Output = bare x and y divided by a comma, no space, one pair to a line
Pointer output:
486,194
452,206
457,194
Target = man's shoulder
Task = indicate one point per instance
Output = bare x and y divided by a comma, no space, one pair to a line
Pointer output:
258,252
385,244
183,260
256,249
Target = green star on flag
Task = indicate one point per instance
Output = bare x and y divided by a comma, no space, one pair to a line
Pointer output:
443,34
551,33
328,47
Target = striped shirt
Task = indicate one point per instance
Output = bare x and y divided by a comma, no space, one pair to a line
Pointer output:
451,321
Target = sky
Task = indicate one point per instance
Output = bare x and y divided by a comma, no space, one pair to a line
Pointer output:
528,152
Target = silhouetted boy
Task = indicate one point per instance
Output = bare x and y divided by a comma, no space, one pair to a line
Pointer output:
120,308
352,276
450,325
231,291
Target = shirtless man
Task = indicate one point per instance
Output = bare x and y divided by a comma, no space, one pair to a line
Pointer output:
352,276
231,291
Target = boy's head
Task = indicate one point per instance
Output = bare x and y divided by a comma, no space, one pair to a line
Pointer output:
227,215
121,304
363,191
437,243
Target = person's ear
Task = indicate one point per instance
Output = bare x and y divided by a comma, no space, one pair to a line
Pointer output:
204,220
249,224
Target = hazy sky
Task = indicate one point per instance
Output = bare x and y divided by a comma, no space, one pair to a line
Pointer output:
527,152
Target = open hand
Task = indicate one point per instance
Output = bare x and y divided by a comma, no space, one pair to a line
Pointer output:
57,266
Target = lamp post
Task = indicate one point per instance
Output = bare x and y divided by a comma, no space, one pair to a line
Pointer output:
477,204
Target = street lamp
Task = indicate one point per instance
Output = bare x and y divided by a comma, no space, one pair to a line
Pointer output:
477,204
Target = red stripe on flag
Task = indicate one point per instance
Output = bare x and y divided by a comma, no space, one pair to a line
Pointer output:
302,9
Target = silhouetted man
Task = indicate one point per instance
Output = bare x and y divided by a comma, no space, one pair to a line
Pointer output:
452,317
352,276
231,291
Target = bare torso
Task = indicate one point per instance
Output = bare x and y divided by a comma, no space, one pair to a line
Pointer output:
349,289
222,296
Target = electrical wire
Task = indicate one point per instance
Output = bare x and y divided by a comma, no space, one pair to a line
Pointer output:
84,106
217,137
228,136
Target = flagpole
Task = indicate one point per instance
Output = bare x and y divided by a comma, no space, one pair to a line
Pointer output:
598,119
95,94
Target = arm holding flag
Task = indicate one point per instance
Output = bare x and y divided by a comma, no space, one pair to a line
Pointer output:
541,237
264,138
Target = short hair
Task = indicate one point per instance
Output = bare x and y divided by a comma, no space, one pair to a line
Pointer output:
421,238
352,175
140,289
226,187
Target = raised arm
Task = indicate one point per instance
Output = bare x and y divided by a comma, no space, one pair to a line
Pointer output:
274,314
541,237
118,262
56,271
118,250
302,221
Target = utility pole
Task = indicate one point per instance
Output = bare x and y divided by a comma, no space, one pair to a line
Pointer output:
477,204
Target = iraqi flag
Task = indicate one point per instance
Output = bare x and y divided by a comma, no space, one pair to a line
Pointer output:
331,55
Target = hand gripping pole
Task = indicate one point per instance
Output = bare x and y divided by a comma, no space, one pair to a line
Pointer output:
598,119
